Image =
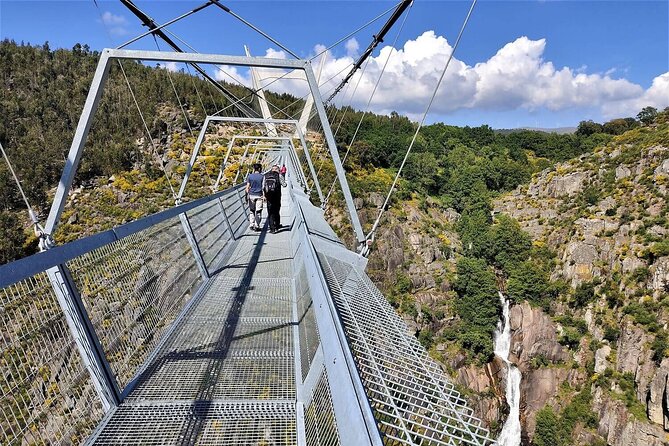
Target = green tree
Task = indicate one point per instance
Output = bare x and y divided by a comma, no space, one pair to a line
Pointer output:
647,115
584,294
587,128
477,305
11,238
508,244
529,281
547,432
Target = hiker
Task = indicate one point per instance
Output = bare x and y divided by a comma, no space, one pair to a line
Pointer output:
283,172
271,186
254,192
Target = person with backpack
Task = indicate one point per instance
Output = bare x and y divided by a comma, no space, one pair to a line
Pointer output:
254,192
271,186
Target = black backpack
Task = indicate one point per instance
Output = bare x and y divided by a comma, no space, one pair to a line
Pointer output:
271,183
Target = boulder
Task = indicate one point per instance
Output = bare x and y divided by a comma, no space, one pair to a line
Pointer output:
622,172
663,168
601,359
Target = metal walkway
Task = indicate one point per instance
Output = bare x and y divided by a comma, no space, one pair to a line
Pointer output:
227,372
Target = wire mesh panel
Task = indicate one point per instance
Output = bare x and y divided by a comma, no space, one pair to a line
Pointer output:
202,423
320,424
308,338
133,289
236,210
412,400
211,232
46,396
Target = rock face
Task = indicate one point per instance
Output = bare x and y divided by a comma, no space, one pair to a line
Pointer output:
488,381
620,428
533,334
658,396
605,216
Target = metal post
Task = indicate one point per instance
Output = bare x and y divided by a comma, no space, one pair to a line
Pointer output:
225,161
77,147
297,165
193,157
227,221
190,236
332,145
84,335
234,182
307,155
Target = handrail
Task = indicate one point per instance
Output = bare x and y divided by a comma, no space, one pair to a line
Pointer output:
18,270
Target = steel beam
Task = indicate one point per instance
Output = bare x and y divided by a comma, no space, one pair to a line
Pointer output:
205,126
77,147
95,92
332,145
84,335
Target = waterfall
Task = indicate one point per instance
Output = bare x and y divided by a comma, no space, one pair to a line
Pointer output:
510,435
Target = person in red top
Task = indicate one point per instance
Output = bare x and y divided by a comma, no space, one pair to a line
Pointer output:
283,172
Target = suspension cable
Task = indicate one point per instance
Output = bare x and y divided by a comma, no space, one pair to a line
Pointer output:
255,28
351,34
369,102
148,133
31,213
370,236
159,27
377,38
150,23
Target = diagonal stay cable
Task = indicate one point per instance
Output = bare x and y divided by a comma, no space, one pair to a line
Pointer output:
174,89
369,102
370,236
352,33
350,100
218,67
255,28
151,24
148,133
31,213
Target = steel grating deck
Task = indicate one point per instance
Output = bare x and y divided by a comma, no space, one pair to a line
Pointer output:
226,374
236,367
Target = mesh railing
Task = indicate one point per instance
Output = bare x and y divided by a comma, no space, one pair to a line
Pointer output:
130,282
133,289
412,400
307,328
210,231
46,395
320,424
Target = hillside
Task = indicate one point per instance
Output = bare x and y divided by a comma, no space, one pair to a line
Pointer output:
605,216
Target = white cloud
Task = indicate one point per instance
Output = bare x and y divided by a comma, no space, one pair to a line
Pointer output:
116,24
515,78
171,66
352,47
656,96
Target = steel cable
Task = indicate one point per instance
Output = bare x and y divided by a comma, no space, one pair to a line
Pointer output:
370,235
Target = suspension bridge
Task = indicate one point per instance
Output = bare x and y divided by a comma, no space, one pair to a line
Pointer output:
185,327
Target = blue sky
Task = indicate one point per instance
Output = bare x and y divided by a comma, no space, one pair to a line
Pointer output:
520,63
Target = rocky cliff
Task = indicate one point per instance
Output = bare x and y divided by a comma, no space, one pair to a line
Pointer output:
605,215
